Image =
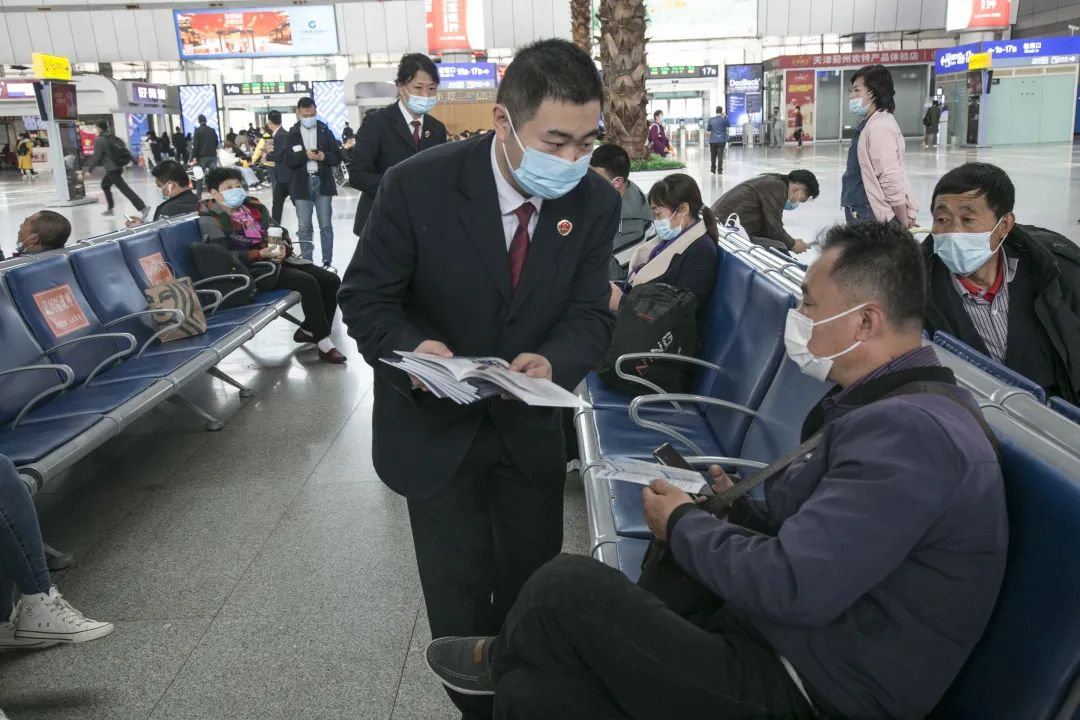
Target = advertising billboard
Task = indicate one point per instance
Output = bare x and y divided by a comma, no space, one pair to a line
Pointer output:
977,14
743,89
196,100
256,32
700,19
799,92
454,25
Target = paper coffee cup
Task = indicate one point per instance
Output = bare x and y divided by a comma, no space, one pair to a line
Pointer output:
274,234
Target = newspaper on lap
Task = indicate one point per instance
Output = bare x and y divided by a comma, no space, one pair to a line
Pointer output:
468,379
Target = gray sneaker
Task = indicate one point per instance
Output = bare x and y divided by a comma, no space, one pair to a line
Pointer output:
462,664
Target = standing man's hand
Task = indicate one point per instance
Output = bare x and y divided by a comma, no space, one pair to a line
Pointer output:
533,365
660,500
431,347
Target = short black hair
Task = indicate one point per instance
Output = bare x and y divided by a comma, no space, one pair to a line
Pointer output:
274,116
52,229
657,114
102,126
218,175
171,171
808,179
548,70
413,63
878,80
880,262
304,102
986,179
611,157
202,119
936,102
719,109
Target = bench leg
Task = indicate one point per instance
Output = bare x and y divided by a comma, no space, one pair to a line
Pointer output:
212,423
291,319
56,560
245,391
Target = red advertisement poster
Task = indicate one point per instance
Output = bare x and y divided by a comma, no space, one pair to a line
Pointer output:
86,141
799,91
450,26
977,14
60,310
64,105
156,270
266,32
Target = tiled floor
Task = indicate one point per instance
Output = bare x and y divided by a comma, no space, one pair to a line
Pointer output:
263,571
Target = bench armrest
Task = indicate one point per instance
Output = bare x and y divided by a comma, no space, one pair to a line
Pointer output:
706,460
272,269
658,356
242,278
213,306
177,314
68,378
132,343
638,402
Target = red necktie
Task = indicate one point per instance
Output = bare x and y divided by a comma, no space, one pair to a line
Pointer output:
416,132
519,246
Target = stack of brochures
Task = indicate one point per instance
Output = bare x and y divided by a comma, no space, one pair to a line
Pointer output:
466,380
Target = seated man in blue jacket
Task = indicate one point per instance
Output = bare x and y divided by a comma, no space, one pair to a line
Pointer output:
871,575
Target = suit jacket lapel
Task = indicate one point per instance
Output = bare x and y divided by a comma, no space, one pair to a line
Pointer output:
481,218
546,245
397,120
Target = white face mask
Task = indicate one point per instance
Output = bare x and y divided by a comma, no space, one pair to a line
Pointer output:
797,335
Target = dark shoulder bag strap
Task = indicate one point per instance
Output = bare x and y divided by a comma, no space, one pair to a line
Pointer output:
724,500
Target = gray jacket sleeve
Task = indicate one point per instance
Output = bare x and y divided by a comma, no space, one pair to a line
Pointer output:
772,214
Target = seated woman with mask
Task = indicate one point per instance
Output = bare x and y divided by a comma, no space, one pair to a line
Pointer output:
243,224
683,253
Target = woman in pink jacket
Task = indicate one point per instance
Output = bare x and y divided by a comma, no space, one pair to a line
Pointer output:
875,185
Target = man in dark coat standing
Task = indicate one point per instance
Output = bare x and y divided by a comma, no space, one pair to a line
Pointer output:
312,153
497,246
396,132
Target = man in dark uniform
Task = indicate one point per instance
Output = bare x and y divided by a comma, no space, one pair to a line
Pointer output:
497,246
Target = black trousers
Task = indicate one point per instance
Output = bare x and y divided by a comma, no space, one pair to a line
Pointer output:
116,177
281,191
480,538
584,642
318,290
716,152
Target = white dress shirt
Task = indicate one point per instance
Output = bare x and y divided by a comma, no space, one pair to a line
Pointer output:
510,200
409,118
311,142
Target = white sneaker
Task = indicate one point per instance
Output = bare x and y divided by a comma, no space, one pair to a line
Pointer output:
8,641
48,616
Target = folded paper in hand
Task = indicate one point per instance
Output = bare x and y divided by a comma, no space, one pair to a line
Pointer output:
468,379
642,472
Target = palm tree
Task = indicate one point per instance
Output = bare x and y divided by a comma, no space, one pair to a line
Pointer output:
622,60
581,23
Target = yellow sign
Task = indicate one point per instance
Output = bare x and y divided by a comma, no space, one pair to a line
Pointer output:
979,61
51,67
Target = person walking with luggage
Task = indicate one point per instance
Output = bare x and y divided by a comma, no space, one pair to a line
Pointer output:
931,121
718,137
111,152
24,150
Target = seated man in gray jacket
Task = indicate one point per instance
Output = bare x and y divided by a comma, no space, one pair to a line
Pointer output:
635,216
870,575
760,203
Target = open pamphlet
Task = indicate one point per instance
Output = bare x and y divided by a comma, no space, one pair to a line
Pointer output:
468,379
642,472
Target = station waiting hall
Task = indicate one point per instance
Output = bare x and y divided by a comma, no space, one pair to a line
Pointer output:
559,360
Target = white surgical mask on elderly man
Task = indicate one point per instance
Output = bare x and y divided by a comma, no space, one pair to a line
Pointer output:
798,332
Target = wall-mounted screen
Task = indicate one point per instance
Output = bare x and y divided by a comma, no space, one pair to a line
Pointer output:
256,32
977,14
743,93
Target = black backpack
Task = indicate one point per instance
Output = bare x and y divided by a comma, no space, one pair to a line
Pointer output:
210,261
117,151
654,318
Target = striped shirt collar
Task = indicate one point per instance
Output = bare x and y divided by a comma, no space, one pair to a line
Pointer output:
922,356
969,290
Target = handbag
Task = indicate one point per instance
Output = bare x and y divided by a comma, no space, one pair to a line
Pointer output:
655,317
685,595
176,295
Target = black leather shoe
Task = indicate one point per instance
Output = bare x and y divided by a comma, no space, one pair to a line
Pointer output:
462,664
303,336
333,356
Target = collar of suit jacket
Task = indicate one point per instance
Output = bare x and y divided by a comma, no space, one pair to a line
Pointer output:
659,265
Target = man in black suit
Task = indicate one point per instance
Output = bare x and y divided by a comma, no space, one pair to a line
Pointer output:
396,132
312,153
282,174
494,246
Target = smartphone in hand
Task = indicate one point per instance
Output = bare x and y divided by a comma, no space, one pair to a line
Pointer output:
669,456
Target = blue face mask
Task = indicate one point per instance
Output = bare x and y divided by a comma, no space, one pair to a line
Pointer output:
665,230
855,105
791,205
422,105
233,197
964,253
546,176
309,122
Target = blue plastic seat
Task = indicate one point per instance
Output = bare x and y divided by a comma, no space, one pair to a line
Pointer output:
1029,656
1066,408
988,365
631,552
29,443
